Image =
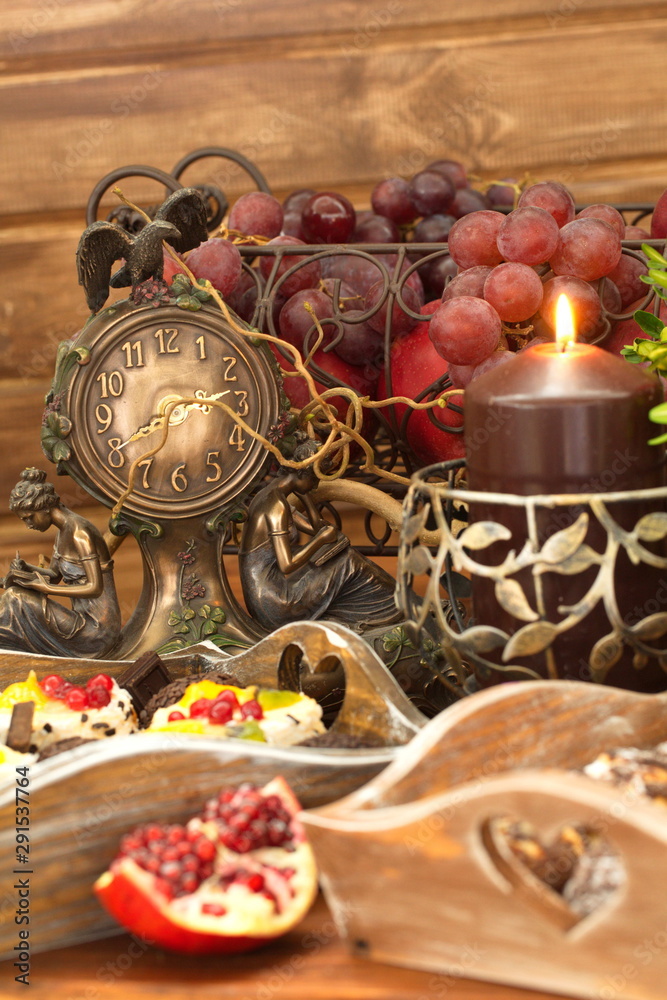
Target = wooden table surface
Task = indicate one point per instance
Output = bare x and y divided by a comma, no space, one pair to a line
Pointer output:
311,963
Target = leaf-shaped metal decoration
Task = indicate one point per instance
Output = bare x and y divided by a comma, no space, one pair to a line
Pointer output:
484,533
565,543
530,639
582,559
419,561
652,527
652,627
484,638
510,596
606,652
414,525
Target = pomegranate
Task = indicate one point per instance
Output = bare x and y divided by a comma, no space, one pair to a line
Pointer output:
233,878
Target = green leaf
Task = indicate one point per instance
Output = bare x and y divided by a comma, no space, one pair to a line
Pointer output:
209,628
649,322
658,414
205,611
171,647
218,616
653,255
61,451
658,277
174,619
188,614
658,440
182,630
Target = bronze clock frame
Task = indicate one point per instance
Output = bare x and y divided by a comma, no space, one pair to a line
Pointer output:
108,407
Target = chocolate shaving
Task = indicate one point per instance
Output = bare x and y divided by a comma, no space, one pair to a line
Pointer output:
20,726
61,746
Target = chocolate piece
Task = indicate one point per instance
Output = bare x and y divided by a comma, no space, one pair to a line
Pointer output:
20,726
144,678
62,745
174,691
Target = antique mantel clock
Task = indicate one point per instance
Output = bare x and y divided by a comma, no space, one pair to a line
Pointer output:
107,409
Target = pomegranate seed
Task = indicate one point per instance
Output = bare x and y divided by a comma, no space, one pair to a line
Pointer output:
221,712
175,716
252,710
151,864
98,697
77,698
190,863
171,854
255,883
200,708
50,684
174,834
153,832
100,680
214,909
60,692
205,850
189,882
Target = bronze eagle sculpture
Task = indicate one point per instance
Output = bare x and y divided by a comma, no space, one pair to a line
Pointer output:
180,220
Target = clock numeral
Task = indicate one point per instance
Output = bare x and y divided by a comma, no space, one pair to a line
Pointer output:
211,461
243,402
136,347
104,415
202,348
115,458
167,345
230,364
146,465
179,481
236,437
110,385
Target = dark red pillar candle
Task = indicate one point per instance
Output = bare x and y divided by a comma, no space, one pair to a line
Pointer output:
555,421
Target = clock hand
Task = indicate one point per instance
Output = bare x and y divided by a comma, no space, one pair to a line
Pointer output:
177,416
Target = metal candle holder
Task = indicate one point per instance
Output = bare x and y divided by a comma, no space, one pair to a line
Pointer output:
609,546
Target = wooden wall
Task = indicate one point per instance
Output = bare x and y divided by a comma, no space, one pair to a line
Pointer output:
322,93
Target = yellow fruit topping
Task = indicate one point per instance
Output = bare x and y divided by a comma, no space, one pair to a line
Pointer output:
28,690
271,700
181,726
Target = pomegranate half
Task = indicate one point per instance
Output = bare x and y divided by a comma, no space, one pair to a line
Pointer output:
233,878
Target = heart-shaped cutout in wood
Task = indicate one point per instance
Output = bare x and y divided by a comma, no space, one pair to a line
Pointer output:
565,880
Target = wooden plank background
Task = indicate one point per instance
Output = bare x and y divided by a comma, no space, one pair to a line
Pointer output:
320,93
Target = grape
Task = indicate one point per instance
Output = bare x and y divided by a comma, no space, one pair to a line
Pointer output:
636,233
219,261
472,239
502,194
243,300
434,274
587,248
451,169
257,214
608,214
393,198
553,197
460,375
358,272
585,302
433,229
493,361
431,192
345,297
292,225
328,217
295,321
360,344
610,296
401,323
626,277
528,235
659,218
514,291
470,282
375,229
466,201
465,330
295,201
362,380
535,342
307,275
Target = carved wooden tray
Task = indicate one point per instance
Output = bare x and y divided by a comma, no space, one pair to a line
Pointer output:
82,801
412,877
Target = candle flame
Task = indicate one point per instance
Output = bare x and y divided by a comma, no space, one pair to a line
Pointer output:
564,322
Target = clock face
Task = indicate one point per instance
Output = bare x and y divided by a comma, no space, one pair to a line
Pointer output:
142,362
